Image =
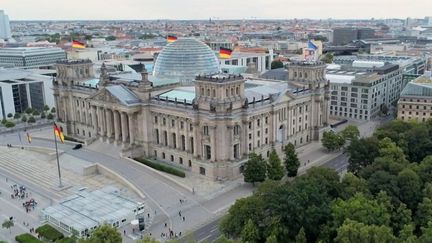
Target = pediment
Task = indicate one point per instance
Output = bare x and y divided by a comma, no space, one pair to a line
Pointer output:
104,96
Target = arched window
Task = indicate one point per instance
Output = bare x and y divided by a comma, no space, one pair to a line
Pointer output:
237,90
202,91
295,74
300,74
214,93
232,91
305,75
227,92
208,92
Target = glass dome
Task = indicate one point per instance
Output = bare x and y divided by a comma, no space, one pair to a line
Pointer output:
184,59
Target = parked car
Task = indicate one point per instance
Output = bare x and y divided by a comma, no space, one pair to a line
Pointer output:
78,146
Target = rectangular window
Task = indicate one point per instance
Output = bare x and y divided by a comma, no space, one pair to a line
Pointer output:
206,130
207,152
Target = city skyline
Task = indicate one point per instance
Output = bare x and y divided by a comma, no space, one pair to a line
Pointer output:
205,9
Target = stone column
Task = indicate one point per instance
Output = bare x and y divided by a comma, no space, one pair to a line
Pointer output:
197,139
108,123
131,128
230,143
187,139
99,120
94,121
116,126
124,127
213,144
244,139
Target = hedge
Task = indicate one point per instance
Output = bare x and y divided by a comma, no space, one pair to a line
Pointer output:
161,167
67,240
49,233
27,238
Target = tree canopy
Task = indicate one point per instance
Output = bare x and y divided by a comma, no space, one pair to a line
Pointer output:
385,197
277,64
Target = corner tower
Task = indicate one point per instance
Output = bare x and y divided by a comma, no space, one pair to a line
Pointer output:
311,76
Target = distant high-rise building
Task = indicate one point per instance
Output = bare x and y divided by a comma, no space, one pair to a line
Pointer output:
428,20
5,32
343,36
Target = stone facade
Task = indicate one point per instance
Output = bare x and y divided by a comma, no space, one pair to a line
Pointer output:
212,135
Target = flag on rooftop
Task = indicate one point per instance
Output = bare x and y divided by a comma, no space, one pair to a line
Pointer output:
171,38
225,53
77,44
58,133
311,45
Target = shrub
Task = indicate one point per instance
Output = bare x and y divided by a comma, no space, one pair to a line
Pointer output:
50,116
31,120
3,121
24,118
27,238
53,110
161,167
9,115
17,116
46,108
43,115
48,232
36,113
72,139
67,240
9,124
29,110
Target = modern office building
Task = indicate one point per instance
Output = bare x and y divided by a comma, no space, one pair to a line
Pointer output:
208,126
20,89
363,93
345,35
416,99
5,31
31,57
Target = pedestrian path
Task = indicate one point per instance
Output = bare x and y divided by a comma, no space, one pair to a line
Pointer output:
39,170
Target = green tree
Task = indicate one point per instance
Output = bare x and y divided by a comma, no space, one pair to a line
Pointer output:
43,115
46,108
250,233
352,231
110,38
9,115
277,64
50,116
105,233
29,110
424,212
88,37
31,119
410,187
8,224
327,58
24,118
406,235
350,132
291,161
53,110
301,236
362,153
400,218
147,239
223,239
360,209
275,171
332,141
255,169
352,184
271,239
426,235
17,115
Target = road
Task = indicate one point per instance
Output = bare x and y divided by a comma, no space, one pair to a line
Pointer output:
208,233
340,163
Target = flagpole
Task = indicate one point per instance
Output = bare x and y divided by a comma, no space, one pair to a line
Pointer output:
58,162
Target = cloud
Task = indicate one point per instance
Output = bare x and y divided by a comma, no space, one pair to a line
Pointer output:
203,9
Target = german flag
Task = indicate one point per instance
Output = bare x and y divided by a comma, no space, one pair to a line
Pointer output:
58,133
77,44
225,53
171,38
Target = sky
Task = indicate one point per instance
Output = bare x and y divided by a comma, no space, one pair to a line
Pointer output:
216,9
